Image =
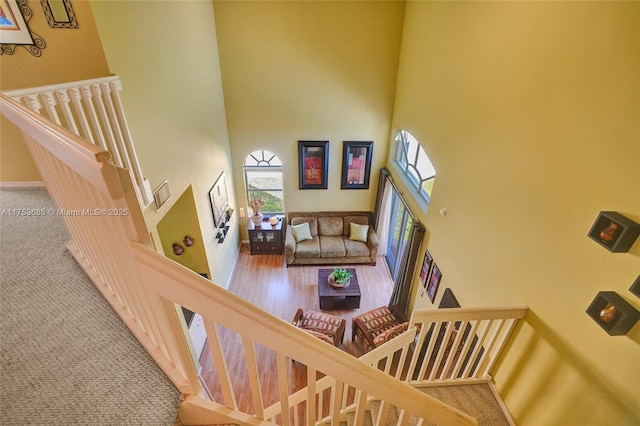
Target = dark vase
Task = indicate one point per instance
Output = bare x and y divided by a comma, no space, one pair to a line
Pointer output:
177,249
608,314
608,234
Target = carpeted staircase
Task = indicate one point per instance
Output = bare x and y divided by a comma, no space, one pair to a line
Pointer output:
66,357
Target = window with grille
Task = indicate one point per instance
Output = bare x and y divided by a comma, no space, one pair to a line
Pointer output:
264,179
411,160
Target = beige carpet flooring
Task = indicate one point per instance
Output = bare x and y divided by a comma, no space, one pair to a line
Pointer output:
66,358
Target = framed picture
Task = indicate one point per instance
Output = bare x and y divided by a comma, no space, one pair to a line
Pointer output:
356,164
14,31
59,13
434,282
218,198
635,287
313,163
426,267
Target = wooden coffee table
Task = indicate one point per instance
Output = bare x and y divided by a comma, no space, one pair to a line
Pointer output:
333,298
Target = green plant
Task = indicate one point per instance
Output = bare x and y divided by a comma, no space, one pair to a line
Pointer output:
341,275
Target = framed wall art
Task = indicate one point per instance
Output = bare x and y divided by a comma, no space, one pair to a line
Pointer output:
356,164
218,198
14,29
426,268
434,282
635,287
59,13
313,164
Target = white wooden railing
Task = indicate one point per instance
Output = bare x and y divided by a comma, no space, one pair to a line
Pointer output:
424,356
109,240
98,203
92,110
459,345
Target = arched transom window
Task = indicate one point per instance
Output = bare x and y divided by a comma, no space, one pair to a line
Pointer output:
416,168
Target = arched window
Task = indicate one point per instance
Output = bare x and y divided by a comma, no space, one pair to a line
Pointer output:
263,178
415,167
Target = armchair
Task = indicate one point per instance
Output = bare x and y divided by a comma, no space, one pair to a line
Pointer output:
378,326
326,327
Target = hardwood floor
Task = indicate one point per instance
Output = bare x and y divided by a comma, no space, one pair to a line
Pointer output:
265,281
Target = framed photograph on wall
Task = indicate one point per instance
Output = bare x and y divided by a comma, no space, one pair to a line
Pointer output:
426,268
356,164
434,282
313,164
218,198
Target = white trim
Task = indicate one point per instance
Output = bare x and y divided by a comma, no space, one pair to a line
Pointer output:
233,268
501,403
19,184
54,87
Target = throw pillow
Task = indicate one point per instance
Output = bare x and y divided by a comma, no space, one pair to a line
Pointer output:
359,232
301,232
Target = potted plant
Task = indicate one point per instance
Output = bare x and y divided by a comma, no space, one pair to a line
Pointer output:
340,277
256,202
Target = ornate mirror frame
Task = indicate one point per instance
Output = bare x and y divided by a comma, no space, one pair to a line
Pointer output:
59,13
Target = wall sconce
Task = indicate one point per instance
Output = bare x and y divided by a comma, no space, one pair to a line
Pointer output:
188,241
177,249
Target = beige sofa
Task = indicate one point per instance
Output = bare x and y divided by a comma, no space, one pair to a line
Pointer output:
330,241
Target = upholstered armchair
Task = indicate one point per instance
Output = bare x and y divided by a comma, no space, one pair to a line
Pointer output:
326,327
378,326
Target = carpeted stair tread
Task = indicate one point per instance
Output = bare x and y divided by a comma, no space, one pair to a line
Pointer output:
476,400
351,418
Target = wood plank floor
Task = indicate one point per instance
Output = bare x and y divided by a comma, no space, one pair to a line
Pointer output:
265,281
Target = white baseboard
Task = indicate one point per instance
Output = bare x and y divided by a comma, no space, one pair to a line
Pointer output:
17,184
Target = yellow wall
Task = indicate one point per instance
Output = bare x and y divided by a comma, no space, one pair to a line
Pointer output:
530,113
69,55
309,71
166,56
182,220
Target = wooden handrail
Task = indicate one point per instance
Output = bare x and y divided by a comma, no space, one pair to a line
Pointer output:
462,314
91,109
85,158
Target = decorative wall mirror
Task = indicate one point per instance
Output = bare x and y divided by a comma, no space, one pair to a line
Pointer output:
14,29
59,13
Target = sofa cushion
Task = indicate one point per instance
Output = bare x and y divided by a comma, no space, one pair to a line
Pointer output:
358,232
356,248
301,232
308,249
321,336
332,246
313,223
360,220
330,226
389,334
